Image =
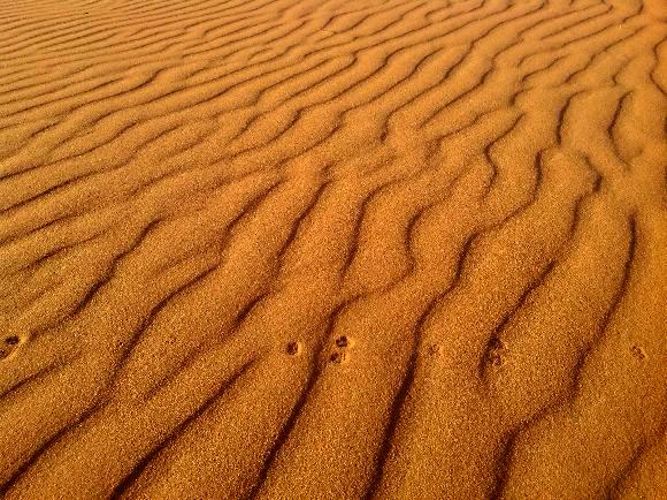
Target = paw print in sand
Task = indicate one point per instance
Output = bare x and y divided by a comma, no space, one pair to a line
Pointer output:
496,351
638,352
339,356
434,350
293,348
8,346
342,341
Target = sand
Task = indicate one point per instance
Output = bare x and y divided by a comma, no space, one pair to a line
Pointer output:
304,249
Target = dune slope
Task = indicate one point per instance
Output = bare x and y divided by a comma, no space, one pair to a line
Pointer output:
333,249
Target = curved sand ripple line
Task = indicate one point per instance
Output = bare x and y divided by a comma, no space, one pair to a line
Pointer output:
333,249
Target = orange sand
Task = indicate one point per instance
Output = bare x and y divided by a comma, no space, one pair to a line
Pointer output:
304,249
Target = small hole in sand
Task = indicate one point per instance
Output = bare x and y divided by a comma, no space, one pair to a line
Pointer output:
292,348
342,341
495,352
337,357
638,352
495,359
13,340
3,354
434,350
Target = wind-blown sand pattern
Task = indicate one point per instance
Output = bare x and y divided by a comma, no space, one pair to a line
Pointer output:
333,249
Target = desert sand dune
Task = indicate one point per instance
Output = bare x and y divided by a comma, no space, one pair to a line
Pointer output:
333,249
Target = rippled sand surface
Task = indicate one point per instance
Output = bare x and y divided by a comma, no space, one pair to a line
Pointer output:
312,249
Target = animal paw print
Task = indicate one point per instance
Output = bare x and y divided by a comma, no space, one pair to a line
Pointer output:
638,352
434,350
293,348
342,342
8,346
496,352
339,356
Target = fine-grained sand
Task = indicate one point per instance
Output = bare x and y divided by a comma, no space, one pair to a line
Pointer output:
304,249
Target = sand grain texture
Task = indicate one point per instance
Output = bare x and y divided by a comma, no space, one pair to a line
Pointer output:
333,249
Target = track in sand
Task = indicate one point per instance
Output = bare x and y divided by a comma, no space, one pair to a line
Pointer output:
333,249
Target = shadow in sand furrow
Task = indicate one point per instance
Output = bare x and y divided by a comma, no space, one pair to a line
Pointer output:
488,154
495,343
178,430
193,357
43,447
162,23
105,393
408,377
562,22
561,123
414,216
42,84
470,89
526,77
662,87
563,33
43,139
92,84
619,488
611,129
317,364
568,397
301,220
24,383
609,314
55,252
606,51
467,127
356,232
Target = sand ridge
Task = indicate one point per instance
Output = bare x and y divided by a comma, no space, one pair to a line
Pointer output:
333,249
